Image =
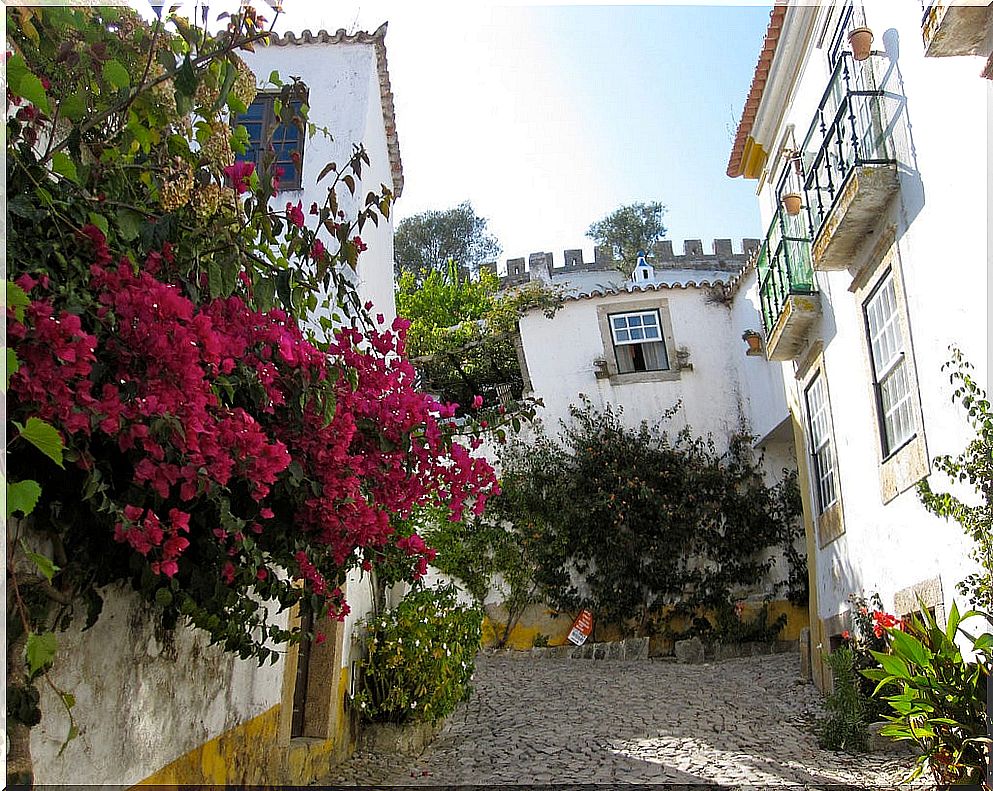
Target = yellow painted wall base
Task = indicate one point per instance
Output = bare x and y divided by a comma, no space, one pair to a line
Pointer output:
541,621
256,753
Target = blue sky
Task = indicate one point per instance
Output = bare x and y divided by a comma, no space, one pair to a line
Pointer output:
548,117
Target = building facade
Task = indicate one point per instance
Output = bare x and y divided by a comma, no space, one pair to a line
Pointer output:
866,130
673,332
164,707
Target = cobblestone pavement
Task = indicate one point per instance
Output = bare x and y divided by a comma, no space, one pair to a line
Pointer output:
741,722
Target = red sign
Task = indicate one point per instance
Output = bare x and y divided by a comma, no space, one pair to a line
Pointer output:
582,627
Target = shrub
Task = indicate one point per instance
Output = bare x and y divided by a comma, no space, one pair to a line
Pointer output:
733,629
637,523
421,657
845,726
939,702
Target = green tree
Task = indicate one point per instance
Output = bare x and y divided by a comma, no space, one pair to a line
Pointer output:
652,523
427,241
461,335
628,230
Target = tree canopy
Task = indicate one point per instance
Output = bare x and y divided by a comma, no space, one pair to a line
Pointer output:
628,230
461,336
426,242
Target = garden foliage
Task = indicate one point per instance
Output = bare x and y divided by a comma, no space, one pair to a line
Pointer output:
461,335
421,657
639,524
211,443
937,697
972,467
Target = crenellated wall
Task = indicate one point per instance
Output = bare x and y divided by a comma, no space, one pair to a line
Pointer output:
541,266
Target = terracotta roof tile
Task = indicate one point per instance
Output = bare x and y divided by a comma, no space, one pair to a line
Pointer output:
776,17
377,38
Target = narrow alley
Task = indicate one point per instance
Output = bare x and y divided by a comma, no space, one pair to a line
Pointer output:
535,721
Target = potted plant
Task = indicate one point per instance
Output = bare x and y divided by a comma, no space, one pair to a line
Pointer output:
792,202
754,341
860,40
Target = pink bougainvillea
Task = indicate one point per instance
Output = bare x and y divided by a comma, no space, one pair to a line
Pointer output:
159,396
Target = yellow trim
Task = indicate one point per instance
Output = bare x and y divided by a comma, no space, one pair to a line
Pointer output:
255,753
753,159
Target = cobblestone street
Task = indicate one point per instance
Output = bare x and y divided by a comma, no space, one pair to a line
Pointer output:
738,722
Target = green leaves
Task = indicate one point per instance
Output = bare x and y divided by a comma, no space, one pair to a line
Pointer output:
22,497
64,166
40,652
21,82
115,74
43,436
13,365
17,299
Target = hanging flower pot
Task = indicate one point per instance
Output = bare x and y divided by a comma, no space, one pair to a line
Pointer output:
792,202
754,341
860,40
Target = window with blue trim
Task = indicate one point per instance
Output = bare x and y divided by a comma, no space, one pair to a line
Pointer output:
285,133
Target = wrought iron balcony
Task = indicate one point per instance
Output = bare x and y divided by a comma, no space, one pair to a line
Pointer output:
787,290
953,29
849,161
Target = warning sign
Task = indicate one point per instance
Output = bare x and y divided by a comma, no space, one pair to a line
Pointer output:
582,627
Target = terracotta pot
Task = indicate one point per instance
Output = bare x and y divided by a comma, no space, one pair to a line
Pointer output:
754,342
792,202
860,40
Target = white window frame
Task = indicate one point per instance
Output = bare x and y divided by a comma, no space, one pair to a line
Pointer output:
626,316
887,352
822,446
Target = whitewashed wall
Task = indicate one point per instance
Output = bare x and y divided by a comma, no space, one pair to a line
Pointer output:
345,96
941,214
154,696
144,696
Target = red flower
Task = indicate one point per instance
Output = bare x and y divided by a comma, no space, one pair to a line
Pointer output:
362,246
882,621
294,214
318,251
239,173
846,635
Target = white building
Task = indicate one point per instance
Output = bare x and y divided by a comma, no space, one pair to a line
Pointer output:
672,332
884,266
162,706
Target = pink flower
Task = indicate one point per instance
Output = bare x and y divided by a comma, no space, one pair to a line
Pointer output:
362,246
294,214
239,173
317,252
477,401
314,209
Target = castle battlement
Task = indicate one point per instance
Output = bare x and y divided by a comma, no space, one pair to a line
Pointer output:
540,266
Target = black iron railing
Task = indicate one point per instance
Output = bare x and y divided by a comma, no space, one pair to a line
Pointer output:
848,130
783,266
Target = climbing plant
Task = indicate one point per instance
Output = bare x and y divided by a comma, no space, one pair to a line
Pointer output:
972,467
176,421
638,524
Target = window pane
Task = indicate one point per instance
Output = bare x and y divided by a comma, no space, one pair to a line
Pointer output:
822,448
898,418
625,359
650,319
634,321
656,358
637,334
651,332
622,335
